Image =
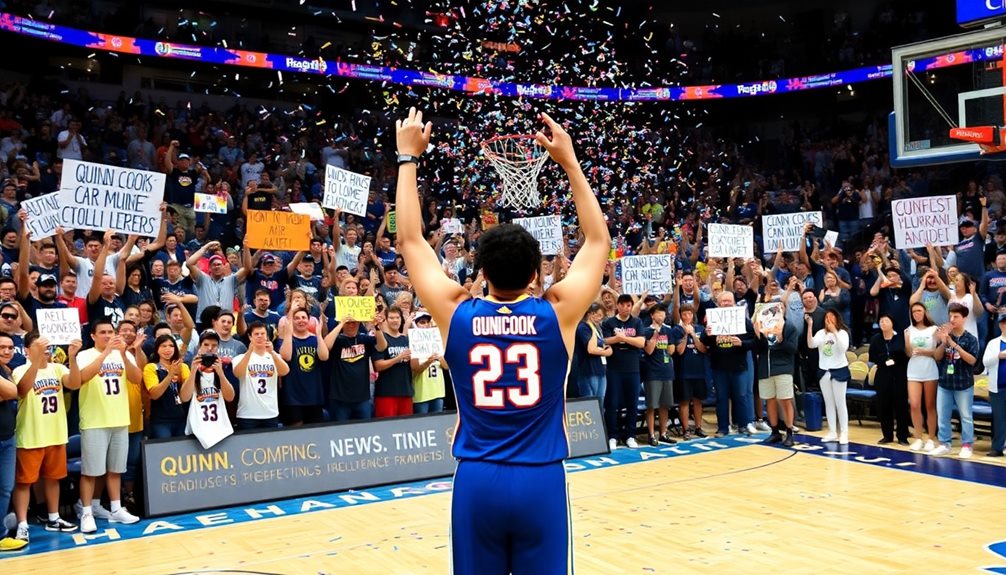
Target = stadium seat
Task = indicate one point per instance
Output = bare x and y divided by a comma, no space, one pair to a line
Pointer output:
864,357
851,356
859,401
860,373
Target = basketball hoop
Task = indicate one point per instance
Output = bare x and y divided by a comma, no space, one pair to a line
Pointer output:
991,139
518,161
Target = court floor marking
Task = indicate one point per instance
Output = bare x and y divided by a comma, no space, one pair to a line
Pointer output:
952,468
947,467
44,541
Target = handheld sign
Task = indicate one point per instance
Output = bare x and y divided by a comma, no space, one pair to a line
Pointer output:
831,237
731,241
392,222
210,203
360,308
786,229
60,326
547,230
101,197
424,343
918,221
43,215
309,209
280,231
451,226
646,273
727,320
489,219
346,190
769,315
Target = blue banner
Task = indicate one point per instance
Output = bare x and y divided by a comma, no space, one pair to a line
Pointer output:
218,55
974,11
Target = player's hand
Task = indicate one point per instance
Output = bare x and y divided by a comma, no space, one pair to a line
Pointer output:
560,146
412,136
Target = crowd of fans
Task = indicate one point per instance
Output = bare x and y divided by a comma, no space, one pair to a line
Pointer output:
192,329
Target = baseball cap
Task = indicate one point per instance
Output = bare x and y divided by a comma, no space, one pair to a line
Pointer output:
268,259
966,221
6,305
217,258
183,157
46,278
422,314
208,334
308,258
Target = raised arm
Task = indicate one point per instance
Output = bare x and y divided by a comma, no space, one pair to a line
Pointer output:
439,293
572,297
24,260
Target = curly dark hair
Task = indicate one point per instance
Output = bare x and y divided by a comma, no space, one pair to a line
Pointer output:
508,256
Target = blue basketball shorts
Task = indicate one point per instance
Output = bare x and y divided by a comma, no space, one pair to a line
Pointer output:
508,518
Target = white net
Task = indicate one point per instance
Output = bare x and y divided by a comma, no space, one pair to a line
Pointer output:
518,161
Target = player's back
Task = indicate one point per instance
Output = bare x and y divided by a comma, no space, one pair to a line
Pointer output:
508,363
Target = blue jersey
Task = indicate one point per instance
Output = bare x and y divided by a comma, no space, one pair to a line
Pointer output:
508,364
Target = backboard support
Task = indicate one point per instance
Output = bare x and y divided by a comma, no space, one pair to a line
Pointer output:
951,82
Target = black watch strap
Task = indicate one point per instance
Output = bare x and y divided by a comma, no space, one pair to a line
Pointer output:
407,158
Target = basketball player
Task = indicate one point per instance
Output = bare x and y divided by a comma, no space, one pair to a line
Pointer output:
509,354
259,370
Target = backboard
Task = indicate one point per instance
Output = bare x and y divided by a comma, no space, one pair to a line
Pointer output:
951,82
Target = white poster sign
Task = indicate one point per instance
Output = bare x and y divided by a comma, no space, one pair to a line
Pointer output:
346,191
43,216
547,230
731,241
647,273
727,320
309,209
424,343
451,226
100,197
831,238
918,221
59,326
786,229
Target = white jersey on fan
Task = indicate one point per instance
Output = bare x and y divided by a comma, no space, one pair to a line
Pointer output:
259,398
208,419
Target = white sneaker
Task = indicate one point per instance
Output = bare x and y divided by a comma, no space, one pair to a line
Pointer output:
916,445
929,446
98,511
965,452
831,437
762,426
612,444
87,523
631,443
750,429
796,429
22,534
843,439
939,450
122,516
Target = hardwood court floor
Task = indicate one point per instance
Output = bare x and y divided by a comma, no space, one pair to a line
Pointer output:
745,509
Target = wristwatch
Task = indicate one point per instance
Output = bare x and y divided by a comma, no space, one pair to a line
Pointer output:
407,158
